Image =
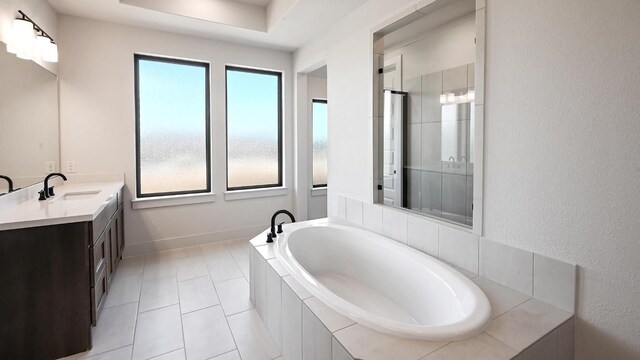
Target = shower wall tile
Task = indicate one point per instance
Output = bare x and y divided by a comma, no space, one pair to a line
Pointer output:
394,224
422,235
414,138
431,90
413,86
454,78
432,193
414,189
507,265
453,196
431,146
458,248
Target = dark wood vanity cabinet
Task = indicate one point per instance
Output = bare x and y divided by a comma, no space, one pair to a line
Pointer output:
53,283
106,253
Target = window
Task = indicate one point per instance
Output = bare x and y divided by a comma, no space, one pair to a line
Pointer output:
172,126
319,118
254,128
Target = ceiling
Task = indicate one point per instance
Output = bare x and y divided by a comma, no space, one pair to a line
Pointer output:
279,24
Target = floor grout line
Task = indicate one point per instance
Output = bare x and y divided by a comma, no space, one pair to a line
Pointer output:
169,261
225,318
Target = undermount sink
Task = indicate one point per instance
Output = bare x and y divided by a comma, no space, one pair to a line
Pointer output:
78,195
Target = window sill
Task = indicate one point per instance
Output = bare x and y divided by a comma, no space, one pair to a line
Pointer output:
320,191
172,200
255,193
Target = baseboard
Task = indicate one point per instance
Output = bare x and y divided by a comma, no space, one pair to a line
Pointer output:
135,249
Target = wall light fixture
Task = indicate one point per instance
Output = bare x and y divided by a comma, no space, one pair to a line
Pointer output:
28,41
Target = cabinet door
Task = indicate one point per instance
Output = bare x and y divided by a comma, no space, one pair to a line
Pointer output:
120,217
113,245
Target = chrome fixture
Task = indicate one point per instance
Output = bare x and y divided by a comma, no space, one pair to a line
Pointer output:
48,191
272,234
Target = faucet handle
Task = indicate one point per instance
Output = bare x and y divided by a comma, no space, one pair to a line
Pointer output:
51,191
269,238
42,197
280,227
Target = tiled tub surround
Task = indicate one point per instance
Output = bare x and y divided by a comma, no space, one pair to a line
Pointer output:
522,326
384,285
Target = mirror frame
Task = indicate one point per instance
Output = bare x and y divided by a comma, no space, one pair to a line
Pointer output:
400,19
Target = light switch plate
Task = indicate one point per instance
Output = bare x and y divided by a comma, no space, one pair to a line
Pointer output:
70,166
50,166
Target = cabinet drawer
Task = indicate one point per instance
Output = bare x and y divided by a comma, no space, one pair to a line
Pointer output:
98,257
97,295
101,221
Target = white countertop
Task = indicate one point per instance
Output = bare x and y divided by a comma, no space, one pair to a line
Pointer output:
58,210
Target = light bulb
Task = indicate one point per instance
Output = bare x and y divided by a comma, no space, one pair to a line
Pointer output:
24,38
42,45
51,52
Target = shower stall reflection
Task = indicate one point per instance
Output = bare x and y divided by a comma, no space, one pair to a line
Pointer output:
428,145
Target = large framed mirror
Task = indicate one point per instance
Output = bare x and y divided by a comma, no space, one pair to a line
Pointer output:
29,127
428,94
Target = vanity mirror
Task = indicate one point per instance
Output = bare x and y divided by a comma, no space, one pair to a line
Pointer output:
428,97
28,122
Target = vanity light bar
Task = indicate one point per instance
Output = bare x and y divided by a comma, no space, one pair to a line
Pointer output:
29,41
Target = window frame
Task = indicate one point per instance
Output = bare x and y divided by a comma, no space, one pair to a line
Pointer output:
279,75
321,101
136,60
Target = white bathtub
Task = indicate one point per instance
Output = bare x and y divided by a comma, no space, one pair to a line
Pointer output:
382,284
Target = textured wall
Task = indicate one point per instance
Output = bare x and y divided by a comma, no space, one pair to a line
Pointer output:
562,156
562,143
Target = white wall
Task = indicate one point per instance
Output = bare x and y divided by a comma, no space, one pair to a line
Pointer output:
562,138
98,125
316,89
39,11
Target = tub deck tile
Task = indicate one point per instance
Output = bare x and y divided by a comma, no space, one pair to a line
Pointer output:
527,323
481,347
501,297
364,343
329,317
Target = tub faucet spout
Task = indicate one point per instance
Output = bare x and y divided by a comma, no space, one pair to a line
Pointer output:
272,234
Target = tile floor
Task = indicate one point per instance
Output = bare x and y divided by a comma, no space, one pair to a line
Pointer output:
191,303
